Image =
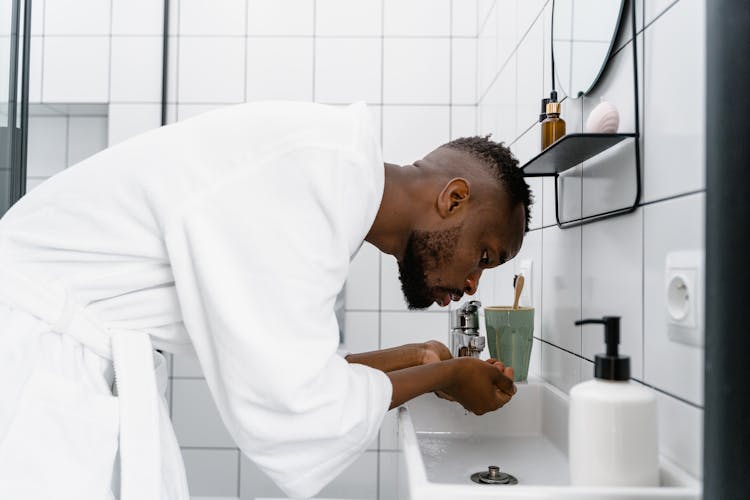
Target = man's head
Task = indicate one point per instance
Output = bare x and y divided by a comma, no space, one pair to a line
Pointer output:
479,217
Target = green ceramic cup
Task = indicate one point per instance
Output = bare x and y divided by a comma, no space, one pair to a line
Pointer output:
510,335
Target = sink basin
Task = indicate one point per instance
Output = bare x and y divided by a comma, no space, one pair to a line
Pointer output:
441,446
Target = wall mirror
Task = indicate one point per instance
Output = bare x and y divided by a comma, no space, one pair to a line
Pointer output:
583,34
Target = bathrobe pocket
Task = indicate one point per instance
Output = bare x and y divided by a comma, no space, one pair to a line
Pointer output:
61,443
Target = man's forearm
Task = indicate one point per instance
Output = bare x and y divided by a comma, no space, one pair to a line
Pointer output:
408,383
388,360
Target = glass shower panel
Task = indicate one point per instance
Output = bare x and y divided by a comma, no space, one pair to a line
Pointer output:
14,23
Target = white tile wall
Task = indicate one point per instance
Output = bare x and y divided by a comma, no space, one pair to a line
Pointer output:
37,17
670,226
136,69
280,17
195,418
463,71
674,105
362,287
614,266
137,17
464,22
255,483
463,121
398,328
198,17
347,70
681,433
357,481
611,285
87,135
212,472
279,68
361,331
530,251
560,368
75,69
654,8
407,17
363,18
211,69
506,12
561,287
35,69
416,71
59,138
47,145
426,127
506,103
77,17
530,77
128,120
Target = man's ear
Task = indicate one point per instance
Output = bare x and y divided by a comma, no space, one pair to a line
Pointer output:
453,197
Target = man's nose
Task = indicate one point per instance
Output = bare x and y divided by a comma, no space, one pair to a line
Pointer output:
472,282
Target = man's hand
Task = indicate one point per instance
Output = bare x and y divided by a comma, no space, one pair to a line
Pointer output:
479,386
434,351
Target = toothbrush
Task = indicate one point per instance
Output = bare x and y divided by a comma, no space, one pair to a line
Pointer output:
519,289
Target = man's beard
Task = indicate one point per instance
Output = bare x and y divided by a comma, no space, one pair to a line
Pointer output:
426,251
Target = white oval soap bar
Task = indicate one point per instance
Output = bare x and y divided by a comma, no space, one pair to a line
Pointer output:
604,119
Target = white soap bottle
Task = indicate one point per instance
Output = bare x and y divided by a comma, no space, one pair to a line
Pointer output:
612,422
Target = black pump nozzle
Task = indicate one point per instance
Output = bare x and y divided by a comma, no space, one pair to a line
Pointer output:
610,366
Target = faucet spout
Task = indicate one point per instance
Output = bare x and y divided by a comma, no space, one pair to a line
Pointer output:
464,337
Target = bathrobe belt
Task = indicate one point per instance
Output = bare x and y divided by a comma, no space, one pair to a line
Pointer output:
132,355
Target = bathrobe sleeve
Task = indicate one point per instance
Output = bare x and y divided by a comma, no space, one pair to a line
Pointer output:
258,260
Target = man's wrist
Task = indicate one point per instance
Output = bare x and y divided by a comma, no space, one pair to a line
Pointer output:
448,370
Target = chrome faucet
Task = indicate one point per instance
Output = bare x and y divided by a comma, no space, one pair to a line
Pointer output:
465,339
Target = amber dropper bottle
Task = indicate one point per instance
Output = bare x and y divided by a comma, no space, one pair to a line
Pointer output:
553,127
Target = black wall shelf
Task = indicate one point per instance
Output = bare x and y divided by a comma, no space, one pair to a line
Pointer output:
569,151
573,149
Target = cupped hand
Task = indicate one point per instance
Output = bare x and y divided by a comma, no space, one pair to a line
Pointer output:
480,386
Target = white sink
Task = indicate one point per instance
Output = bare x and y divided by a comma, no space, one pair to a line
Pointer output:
441,446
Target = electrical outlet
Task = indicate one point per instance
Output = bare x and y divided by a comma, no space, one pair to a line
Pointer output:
526,267
684,293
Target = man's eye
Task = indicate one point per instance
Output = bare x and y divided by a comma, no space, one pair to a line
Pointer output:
485,260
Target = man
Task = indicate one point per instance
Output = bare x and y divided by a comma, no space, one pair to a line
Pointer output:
229,236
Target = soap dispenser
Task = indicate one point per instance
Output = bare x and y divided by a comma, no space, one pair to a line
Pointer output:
612,422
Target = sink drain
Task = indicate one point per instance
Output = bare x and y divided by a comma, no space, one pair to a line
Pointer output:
493,476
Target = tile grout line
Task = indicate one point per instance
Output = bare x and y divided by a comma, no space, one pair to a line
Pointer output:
646,384
450,71
177,62
239,472
247,42
512,54
44,42
380,256
67,141
109,65
314,45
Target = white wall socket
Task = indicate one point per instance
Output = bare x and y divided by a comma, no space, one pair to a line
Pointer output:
526,267
684,292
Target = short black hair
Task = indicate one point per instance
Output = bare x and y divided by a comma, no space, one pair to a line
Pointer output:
502,164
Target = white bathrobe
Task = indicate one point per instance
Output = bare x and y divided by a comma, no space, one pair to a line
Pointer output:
228,235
